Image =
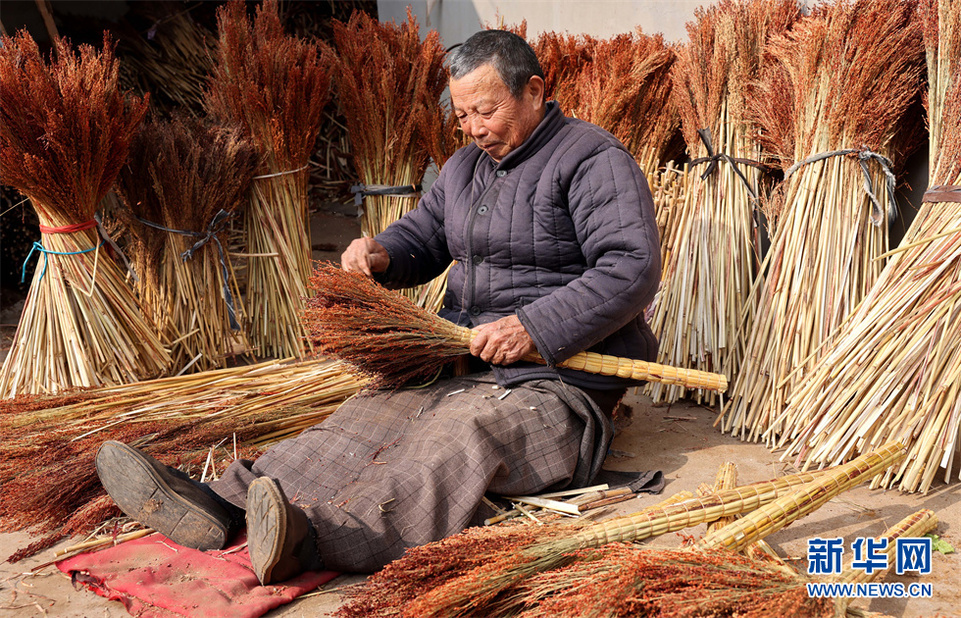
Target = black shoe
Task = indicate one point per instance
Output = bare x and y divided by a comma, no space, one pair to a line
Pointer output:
279,536
159,497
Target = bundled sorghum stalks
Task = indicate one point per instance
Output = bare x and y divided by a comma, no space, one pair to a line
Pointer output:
275,87
483,571
714,248
893,370
65,128
183,182
389,84
829,110
48,444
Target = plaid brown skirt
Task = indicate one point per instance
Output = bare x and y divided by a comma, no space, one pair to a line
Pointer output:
392,470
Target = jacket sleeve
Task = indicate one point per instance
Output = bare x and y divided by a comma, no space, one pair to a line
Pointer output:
613,213
417,243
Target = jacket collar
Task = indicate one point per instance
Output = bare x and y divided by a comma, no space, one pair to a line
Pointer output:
550,124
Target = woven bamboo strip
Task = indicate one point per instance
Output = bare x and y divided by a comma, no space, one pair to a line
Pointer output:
785,509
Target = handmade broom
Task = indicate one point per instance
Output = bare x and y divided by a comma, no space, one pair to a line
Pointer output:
385,335
275,87
65,128
472,572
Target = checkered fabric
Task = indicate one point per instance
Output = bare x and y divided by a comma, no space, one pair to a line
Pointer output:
392,470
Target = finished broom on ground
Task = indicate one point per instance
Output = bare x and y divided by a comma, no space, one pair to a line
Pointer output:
484,571
386,336
275,87
182,184
65,128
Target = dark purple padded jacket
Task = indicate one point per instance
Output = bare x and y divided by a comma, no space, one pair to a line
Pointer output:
561,232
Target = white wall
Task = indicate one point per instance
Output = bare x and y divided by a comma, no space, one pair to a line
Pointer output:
458,19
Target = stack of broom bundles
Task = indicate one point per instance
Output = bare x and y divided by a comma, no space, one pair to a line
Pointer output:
713,263
829,110
893,370
183,182
275,87
48,443
64,132
389,84
491,571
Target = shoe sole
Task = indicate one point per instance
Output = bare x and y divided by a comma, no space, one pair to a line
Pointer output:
143,495
266,527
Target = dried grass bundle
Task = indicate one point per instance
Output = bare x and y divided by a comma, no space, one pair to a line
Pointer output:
563,57
714,254
47,444
275,87
183,182
172,60
65,128
833,106
472,577
388,337
389,83
892,370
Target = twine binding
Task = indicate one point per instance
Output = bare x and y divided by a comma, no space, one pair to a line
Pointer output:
216,225
942,193
863,155
361,191
712,159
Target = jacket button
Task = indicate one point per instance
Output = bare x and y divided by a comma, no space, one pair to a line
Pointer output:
477,259
482,209
475,310
501,173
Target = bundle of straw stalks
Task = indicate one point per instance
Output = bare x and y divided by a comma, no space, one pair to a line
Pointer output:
386,336
389,84
484,571
171,60
65,128
49,443
714,246
830,111
275,87
183,181
891,371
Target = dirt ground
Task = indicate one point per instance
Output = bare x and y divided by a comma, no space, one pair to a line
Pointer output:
677,439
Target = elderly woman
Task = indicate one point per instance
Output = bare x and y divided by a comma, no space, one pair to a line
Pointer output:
551,226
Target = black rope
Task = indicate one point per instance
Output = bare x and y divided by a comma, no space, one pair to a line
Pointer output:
942,193
713,158
864,155
360,191
216,225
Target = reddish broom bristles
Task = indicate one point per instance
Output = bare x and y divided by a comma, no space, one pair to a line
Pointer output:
186,176
65,129
620,580
275,87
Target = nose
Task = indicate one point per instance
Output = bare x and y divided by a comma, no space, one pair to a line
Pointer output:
473,126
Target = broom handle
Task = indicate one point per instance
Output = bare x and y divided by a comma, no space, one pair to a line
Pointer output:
606,365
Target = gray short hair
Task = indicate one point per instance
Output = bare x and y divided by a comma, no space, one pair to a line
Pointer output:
509,54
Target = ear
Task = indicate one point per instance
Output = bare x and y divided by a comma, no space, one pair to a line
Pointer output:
535,88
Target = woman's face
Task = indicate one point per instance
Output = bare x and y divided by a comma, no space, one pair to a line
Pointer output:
488,112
